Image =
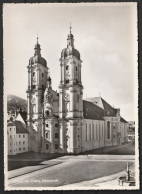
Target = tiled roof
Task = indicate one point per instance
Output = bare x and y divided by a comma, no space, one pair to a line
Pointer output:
106,105
92,111
109,111
20,128
23,115
123,120
93,99
11,124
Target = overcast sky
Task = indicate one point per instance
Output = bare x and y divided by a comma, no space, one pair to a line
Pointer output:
105,35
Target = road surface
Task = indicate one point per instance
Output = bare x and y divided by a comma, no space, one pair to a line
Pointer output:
68,170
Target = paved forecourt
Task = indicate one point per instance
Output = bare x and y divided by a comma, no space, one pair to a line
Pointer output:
69,169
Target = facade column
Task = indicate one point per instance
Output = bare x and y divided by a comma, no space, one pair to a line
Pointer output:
38,81
52,137
62,136
29,78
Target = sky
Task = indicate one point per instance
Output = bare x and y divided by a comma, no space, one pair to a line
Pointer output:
105,35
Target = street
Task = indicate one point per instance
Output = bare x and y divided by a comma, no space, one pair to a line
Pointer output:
69,169
73,169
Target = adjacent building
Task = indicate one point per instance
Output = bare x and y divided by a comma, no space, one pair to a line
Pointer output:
17,134
131,131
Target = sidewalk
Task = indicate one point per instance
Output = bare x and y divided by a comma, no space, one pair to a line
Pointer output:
29,169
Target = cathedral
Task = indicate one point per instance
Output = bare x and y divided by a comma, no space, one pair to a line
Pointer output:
63,122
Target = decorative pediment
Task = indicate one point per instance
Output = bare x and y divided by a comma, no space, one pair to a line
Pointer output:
48,97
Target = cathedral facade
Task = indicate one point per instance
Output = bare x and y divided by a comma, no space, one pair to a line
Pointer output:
63,122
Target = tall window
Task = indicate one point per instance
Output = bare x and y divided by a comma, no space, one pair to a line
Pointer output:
56,135
96,132
102,131
67,67
90,130
86,131
93,131
56,125
42,87
56,146
47,112
67,81
47,146
46,135
108,130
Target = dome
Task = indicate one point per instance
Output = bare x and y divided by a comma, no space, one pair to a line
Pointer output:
37,56
70,51
38,59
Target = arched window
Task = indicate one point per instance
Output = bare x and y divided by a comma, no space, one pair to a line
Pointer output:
47,112
56,146
76,80
56,125
42,87
47,146
33,74
56,135
90,131
86,131
46,135
42,75
67,81
108,130
97,132
102,131
67,67
76,68
93,131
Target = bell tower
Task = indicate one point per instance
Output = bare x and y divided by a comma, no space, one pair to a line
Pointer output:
37,79
70,98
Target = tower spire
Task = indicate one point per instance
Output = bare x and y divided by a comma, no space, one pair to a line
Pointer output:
37,47
70,27
37,38
70,40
